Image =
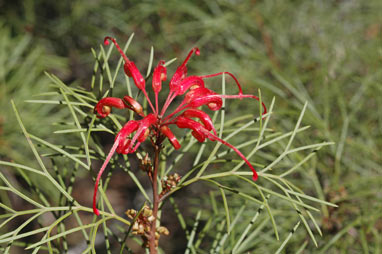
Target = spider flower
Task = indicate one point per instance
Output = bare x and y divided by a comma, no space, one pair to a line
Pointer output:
156,124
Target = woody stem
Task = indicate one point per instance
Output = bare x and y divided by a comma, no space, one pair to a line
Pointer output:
152,246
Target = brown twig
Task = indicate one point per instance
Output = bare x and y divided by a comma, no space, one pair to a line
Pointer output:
153,244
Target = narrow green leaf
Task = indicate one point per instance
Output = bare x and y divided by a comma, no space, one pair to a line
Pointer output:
170,62
193,232
68,232
79,127
288,238
226,209
16,165
230,228
13,235
18,193
81,130
246,230
59,150
296,127
50,178
58,102
106,66
150,65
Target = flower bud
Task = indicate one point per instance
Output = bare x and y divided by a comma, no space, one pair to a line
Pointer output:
147,212
141,229
103,107
131,213
163,230
133,105
135,226
160,74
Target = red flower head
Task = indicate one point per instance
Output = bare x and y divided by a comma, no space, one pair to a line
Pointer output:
156,124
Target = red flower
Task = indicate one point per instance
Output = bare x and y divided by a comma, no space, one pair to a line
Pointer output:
156,123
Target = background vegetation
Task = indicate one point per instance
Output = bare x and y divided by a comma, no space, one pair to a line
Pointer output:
325,53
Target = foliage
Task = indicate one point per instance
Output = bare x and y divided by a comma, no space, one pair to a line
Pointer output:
21,77
326,53
64,164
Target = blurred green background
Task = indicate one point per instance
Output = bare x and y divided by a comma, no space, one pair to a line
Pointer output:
325,52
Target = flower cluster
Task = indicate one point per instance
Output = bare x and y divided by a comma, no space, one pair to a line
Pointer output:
142,225
169,183
157,123
145,164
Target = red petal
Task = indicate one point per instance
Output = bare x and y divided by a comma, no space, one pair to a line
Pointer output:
206,120
122,135
131,70
144,135
171,137
103,106
213,101
160,74
192,82
203,96
128,128
144,124
123,147
199,136
181,71
200,133
195,93
197,132
133,105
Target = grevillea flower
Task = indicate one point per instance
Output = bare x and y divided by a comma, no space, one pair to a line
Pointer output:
156,124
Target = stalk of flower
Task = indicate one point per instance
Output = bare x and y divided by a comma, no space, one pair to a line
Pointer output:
156,125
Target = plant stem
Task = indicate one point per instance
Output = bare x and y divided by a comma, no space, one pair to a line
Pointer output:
156,200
